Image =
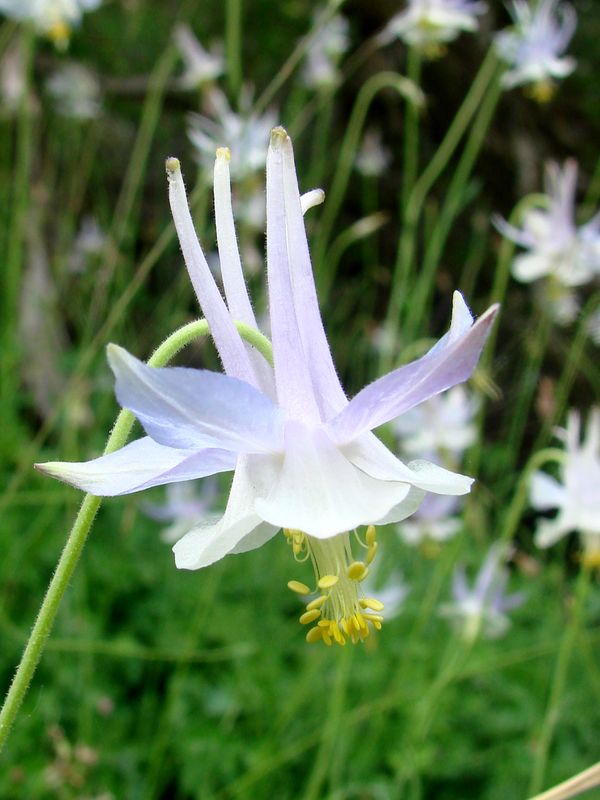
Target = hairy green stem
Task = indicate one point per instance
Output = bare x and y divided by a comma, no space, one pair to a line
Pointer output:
83,523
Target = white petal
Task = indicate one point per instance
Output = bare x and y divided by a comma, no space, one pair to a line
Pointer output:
318,491
227,339
369,454
546,492
530,267
192,408
238,530
405,508
548,532
139,465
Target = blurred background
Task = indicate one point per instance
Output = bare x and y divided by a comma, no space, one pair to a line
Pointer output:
157,683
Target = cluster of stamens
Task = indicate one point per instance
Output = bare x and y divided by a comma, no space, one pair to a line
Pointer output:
340,612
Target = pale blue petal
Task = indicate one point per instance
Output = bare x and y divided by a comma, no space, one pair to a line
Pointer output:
139,465
191,408
407,386
328,389
292,377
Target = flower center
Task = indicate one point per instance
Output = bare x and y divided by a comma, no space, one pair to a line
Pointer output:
340,609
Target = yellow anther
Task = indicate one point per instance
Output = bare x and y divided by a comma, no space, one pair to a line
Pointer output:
327,581
223,152
362,622
310,616
298,587
326,638
371,534
324,623
371,552
334,630
314,635
357,571
317,602
373,617
372,603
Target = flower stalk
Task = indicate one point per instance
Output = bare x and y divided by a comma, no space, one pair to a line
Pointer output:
83,524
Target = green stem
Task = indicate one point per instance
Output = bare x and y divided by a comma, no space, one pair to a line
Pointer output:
572,365
529,383
233,46
347,152
90,352
331,728
497,295
13,260
411,129
515,510
407,242
563,660
295,57
83,523
133,179
451,207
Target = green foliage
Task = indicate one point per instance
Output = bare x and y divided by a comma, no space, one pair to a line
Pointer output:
164,684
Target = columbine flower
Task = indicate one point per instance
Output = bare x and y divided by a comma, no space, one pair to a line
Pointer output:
187,504
482,609
53,18
577,494
76,91
442,425
327,47
304,456
533,47
557,247
200,66
427,24
246,132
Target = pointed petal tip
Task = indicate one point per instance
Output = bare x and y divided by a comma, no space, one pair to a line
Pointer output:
56,469
490,313
116,355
